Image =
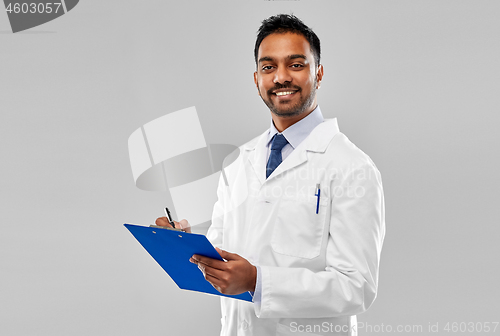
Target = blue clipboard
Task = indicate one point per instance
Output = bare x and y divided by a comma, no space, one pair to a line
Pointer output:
172,251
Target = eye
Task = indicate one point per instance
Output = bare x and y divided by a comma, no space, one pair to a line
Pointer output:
297,65
267,67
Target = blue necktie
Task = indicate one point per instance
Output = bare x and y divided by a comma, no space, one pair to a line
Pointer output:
279,141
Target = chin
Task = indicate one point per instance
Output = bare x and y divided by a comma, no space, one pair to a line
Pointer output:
286,114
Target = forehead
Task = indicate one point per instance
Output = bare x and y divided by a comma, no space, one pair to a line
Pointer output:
281,45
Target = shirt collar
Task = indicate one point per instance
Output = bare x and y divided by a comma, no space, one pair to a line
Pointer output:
296,133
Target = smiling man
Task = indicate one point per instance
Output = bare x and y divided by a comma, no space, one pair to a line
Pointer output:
287,77
306,238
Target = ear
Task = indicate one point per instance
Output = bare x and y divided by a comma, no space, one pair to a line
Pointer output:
255,80
319,76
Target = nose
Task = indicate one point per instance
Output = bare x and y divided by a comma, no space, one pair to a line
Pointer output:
282,75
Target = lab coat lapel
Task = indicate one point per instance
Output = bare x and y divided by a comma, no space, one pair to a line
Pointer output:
317,141
257,157
297,157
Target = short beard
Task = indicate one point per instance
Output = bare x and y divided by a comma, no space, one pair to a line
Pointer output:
295,110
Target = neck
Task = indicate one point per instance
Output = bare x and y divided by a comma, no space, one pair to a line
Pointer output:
282,123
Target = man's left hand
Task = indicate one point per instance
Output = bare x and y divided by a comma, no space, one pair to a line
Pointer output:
234,276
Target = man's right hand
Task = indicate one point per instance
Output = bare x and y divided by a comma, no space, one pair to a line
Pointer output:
183,224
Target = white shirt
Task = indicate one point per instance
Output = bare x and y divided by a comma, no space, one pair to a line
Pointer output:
296,133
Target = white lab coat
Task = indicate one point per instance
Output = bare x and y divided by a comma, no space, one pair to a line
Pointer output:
318,269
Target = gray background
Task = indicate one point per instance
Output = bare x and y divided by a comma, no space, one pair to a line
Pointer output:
415,84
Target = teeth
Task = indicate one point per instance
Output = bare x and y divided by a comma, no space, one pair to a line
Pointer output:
284,93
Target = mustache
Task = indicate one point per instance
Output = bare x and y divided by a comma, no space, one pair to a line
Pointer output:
281,86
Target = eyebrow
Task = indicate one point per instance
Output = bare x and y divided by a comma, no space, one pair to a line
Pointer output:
295,56
289,57
266,59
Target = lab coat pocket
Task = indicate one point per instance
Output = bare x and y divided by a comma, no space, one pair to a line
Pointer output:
298,229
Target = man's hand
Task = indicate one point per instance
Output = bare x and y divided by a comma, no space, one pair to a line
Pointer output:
234,276
183,224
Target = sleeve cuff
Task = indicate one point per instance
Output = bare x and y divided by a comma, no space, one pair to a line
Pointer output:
257,295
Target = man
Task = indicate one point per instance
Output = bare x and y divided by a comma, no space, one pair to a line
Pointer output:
300,213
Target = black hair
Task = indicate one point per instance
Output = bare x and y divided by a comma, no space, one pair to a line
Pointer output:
284,23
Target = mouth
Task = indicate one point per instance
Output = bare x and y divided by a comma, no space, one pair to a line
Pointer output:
284,93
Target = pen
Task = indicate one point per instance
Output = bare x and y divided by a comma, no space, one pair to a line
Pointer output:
318,193
169,217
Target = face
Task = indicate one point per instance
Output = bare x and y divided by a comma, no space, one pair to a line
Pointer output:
286,76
